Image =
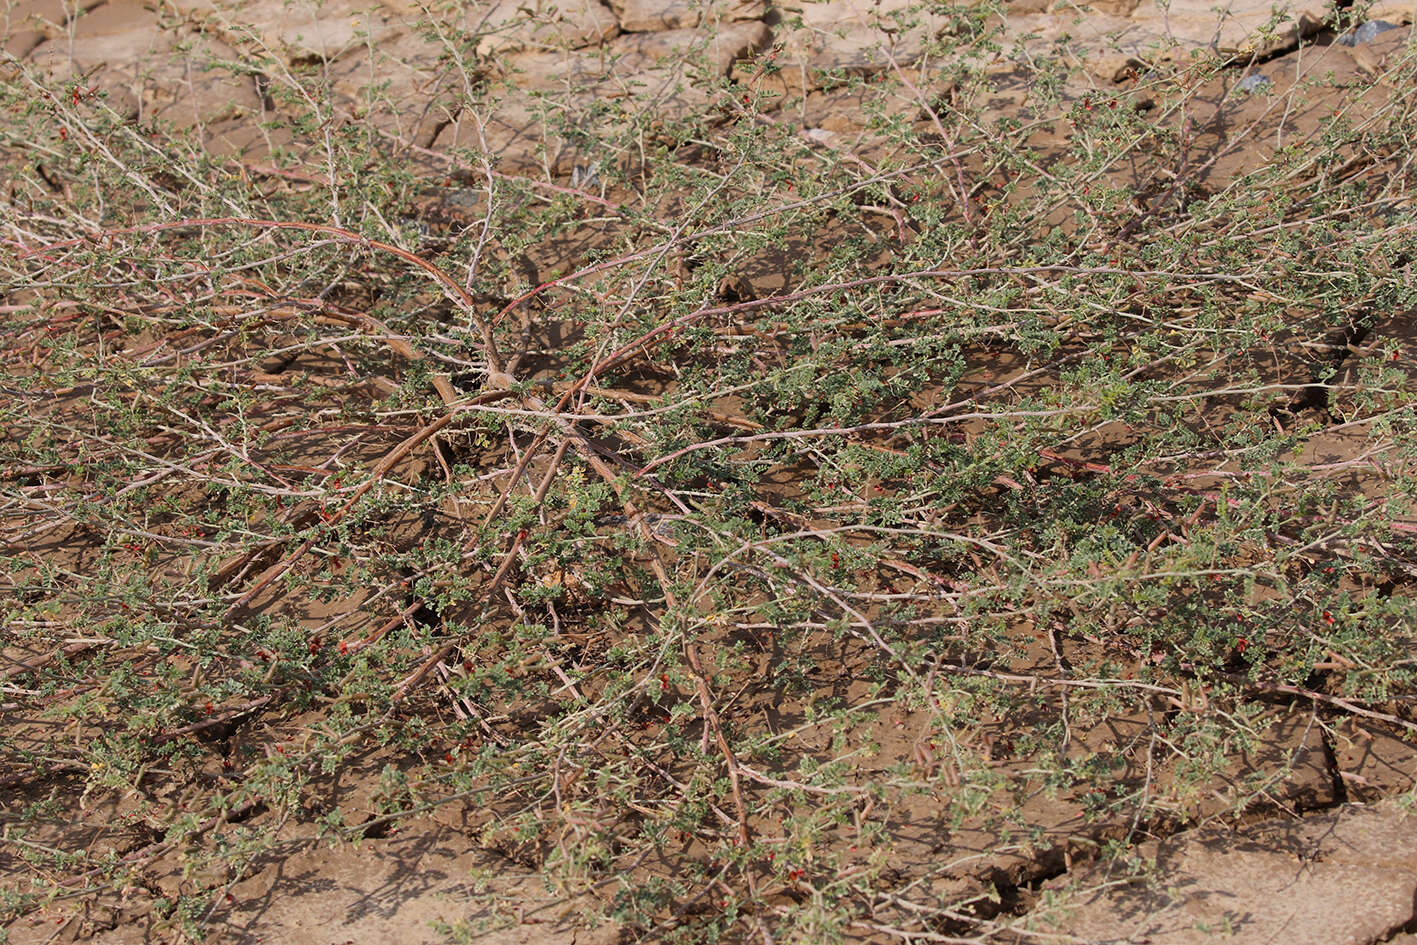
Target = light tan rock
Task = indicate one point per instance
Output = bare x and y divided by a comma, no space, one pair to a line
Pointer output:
116,16
838,116
569,71
1239,26
639,16
511,25
1251,896
849,37
297,30
1394,11
48,14
1379,836
1375,57
1104,45
397,891
1343,877
405,87
149,74
722,47
251,143
28,23
516,133
1115,35
830,15
328,37
562,110
194,87
585,75
20,43
1109,7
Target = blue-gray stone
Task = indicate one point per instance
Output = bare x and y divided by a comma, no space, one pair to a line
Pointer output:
1254,82
1366,33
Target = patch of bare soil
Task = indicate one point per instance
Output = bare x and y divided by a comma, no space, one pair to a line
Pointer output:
412,888
949,797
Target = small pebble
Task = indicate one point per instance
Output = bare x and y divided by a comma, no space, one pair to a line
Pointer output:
1254,82
1366,33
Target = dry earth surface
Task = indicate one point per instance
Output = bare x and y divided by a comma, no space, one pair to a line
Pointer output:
1302,840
